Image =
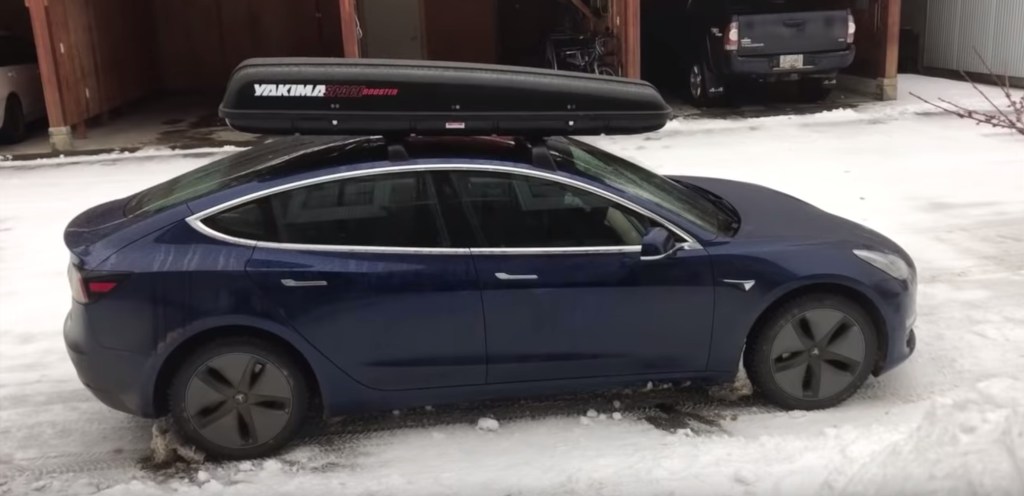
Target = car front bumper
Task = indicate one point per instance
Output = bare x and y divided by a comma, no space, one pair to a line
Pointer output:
115,377
901,317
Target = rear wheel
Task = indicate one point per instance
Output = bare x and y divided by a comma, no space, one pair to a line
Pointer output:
13,128
812,353
698,86
239,398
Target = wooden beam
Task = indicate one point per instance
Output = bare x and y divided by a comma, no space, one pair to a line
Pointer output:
585,10
350,28
39,15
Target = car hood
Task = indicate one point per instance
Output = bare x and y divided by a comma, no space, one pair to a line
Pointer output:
769,214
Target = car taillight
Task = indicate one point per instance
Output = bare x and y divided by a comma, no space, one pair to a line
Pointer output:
89,289
851,30
732,37
78,291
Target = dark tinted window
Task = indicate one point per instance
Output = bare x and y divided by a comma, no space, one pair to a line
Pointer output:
513,211
251,221
16,51
390,210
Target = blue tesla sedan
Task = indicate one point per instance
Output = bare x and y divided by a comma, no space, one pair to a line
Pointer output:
315,275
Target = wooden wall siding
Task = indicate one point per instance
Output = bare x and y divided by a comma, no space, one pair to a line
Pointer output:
103,54
461,30
201,41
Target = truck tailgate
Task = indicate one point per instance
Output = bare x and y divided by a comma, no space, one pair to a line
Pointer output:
793,32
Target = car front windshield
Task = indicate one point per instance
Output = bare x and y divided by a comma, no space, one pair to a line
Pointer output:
576,157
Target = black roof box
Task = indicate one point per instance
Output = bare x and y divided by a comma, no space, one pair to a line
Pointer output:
394,97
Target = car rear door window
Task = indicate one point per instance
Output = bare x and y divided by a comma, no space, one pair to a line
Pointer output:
518,211
387,210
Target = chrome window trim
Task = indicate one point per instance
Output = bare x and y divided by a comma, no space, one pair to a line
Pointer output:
568,250
196,219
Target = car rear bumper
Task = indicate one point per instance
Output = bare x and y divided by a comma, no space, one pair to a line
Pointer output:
115,377
827,63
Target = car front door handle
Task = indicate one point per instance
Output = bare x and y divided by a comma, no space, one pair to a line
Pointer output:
292,283
515,277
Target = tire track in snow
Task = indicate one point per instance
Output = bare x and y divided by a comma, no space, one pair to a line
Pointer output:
333,439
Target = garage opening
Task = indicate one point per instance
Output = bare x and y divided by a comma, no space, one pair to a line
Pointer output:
697,49
96,57
534,33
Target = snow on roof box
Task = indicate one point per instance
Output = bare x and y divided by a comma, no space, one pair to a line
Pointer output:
389,97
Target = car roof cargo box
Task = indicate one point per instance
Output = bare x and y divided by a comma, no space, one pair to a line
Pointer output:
398,98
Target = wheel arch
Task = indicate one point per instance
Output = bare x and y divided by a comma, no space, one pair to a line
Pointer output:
196,340
841,289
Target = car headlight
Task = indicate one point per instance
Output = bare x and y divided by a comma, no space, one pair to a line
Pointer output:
886,262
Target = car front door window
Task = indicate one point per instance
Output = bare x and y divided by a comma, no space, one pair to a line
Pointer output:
518,211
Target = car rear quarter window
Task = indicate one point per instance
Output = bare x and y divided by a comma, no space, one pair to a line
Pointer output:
252,221
517,211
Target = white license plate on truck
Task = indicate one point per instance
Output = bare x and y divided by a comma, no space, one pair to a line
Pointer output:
791,61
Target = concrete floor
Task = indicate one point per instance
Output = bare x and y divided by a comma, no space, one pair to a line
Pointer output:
178,122
174,122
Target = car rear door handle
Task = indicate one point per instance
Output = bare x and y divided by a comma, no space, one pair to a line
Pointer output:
292,283
794,23
515,277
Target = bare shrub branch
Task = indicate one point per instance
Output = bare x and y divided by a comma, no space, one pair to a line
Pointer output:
1013,120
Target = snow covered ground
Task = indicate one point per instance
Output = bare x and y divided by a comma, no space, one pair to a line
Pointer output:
950,421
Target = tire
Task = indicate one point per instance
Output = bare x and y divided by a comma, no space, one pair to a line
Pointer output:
13,128
785,366
215,407
697,84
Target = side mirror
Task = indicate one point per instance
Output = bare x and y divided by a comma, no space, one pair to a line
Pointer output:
657,242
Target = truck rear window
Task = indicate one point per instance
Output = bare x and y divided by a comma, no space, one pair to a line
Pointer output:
773,6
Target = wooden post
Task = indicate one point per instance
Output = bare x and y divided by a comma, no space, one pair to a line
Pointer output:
891,33
630,33
350,28
47,63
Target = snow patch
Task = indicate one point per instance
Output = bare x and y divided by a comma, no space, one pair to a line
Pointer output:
732,391
486,424
968,443
592,413
616,416
168,448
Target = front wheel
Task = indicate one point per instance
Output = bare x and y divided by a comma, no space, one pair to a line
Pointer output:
812,353
239,398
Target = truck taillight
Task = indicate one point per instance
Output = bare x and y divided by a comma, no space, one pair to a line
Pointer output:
85,290
732,37
851,30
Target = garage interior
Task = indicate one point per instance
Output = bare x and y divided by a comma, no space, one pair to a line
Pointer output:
98,58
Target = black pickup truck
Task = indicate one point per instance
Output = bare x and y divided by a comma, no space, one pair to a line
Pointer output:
705,46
